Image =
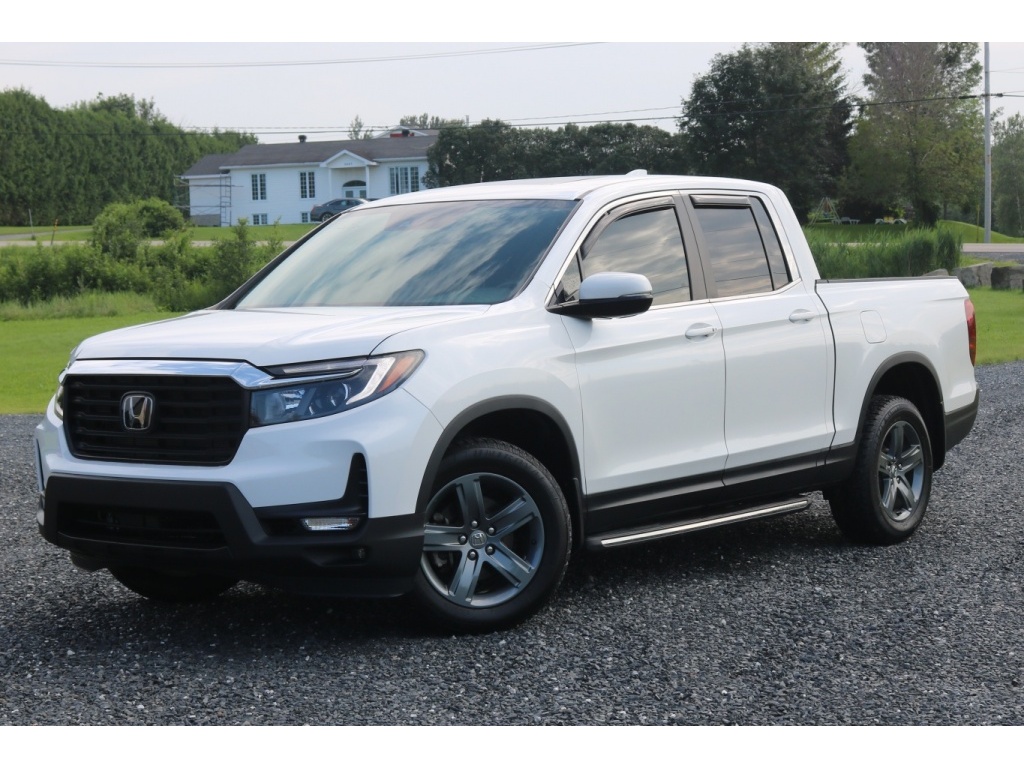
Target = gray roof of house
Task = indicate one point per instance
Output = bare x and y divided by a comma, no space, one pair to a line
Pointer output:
209,165
309,152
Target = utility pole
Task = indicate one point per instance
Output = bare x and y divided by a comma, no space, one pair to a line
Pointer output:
988,153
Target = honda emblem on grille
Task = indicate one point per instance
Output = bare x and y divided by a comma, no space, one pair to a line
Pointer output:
137,411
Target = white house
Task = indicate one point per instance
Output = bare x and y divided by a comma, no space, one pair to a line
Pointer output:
264,183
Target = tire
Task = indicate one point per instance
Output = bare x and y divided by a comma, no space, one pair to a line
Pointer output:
884,501
173,586
497,538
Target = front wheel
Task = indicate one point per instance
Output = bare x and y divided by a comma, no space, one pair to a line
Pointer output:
496,539
173,586
884,500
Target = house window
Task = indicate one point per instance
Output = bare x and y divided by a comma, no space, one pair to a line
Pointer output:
405,179
259,218
304,217
259,186
307,184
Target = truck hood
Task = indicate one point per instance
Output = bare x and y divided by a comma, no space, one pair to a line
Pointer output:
267,336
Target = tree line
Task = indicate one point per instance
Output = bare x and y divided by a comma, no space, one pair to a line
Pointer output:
906,142
68,164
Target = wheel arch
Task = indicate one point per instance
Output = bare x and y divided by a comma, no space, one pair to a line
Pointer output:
528,423
911,376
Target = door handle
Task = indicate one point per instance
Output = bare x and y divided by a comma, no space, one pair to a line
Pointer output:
700,331
802,316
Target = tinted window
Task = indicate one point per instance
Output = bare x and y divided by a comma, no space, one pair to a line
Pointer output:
646,243
770,238
734,250
465,252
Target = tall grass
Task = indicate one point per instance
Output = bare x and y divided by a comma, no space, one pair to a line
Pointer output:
898,254
90,304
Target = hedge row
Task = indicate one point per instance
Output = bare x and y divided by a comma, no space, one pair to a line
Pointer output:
176,274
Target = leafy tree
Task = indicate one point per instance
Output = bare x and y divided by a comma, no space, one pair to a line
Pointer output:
427,121
490,151
494,150
26,173
121,228
919,138
775,112
68,164
240,257
611,148
356,129
1008,176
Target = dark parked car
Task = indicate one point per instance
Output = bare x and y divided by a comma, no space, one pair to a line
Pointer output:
324,211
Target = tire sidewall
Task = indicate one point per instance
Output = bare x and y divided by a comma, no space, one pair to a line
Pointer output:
505,460
890,414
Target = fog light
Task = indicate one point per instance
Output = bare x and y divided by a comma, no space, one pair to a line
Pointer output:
330,523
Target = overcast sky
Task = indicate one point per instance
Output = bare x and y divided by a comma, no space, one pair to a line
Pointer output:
281,89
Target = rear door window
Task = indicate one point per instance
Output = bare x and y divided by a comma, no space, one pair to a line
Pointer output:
739,245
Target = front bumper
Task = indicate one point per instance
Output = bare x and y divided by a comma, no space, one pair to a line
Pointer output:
209,526
244,518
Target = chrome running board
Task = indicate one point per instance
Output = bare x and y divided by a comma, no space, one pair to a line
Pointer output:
675,528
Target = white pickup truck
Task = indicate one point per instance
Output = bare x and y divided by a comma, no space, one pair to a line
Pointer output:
447,393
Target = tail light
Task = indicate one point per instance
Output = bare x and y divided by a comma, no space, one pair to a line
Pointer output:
972,330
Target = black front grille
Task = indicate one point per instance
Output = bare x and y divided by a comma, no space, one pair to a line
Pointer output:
194,419
186,528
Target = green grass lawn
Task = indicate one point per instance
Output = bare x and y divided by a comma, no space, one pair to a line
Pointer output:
287,233
1000,317
48,234
34,350
969,233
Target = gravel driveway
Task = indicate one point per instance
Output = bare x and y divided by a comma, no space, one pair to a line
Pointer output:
777,622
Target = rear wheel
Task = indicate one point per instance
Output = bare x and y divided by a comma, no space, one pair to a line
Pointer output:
884,500
497,538
173,586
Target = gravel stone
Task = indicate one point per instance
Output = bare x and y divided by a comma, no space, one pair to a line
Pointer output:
772,623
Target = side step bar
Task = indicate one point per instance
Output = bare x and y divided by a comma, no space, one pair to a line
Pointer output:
735,515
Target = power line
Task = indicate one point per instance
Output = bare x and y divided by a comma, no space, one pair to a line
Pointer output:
309,63
544,121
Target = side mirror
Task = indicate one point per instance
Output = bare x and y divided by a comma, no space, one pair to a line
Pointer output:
610,294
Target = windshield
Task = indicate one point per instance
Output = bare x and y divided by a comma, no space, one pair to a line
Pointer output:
441,253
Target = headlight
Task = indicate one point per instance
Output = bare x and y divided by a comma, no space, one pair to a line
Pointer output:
328,387
58,402
58,398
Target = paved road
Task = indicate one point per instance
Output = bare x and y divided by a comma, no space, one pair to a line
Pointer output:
995,251
778,622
